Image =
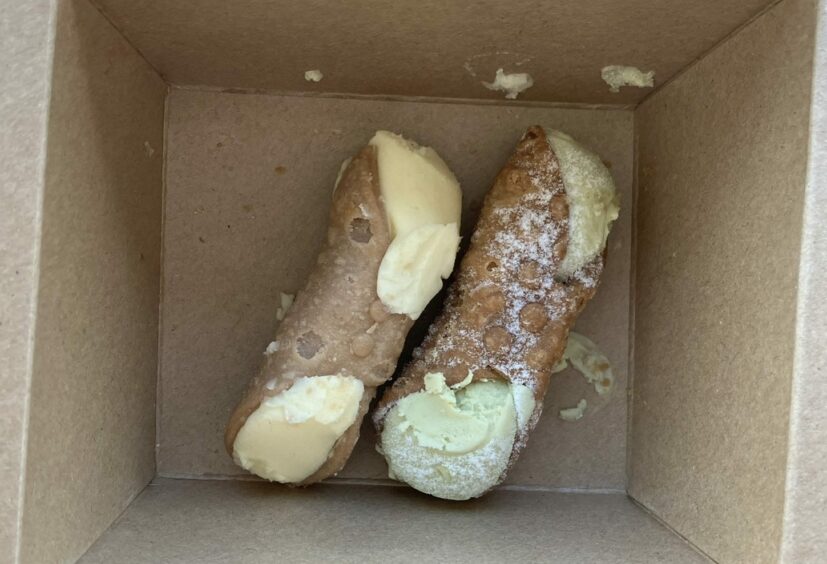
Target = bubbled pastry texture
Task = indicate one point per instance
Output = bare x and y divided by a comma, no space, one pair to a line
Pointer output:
337,325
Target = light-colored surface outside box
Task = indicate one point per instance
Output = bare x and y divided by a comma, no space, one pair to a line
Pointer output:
25,60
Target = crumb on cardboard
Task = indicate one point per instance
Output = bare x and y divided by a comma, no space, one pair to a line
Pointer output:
286,302
619,75
314,75
513,84
574,413
582,353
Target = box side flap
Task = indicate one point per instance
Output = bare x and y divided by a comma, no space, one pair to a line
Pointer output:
722,160
427,48
92,415
246,523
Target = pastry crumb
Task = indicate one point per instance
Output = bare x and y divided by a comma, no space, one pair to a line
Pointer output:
618,75
314,75
587,359
286,302
574,413
513,84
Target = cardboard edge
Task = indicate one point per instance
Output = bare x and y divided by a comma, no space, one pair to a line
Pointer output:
805,503
655,517
630,361
126,508
117,27
160,343
399,98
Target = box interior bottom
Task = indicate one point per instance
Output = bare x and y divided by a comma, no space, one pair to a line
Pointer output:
246,522
247,194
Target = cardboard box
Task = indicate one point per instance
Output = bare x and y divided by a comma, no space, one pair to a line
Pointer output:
166,172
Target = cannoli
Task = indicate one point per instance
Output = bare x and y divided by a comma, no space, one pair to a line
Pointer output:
461,412
392,238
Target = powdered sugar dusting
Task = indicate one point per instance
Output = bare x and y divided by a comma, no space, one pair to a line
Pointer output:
530,235
515,230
